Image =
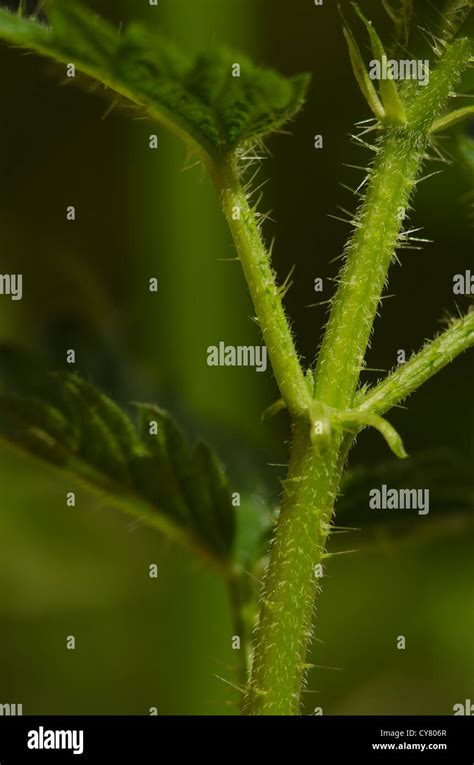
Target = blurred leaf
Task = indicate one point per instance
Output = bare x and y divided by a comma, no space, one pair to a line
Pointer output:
401,13
206,101
66,421
447,475
454,14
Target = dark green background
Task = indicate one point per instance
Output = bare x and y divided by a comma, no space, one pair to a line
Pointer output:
84,571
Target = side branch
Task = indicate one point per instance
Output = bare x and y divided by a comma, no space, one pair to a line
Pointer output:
266,295
408,378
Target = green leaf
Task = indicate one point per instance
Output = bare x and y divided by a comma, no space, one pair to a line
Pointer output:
101,429
198,484
200,99
356,419
387,430
44,430
66,421
76,29
218,492
115,419
391,100
360,73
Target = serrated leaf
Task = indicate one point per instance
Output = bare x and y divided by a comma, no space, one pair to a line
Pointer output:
66,421
158,458
39,415
199,476
191,479
114,418
219,493
99,442
153,479
40,427
198,99
76,28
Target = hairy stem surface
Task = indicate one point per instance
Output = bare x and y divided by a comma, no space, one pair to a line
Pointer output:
290,587
423,365
291,582
266,295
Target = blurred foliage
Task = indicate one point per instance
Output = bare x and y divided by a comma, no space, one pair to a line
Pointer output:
66,421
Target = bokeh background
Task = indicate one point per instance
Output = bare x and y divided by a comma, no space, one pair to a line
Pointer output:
162,643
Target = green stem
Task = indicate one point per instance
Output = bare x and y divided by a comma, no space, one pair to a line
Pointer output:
266,295
378,225
407,378
290,589
284,627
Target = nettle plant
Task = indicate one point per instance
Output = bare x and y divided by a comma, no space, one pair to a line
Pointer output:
222,112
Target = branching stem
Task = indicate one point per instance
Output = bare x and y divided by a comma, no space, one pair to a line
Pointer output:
290,588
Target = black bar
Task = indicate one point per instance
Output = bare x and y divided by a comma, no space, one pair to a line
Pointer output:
148,739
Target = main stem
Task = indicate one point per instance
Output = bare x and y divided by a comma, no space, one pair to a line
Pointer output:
291,581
